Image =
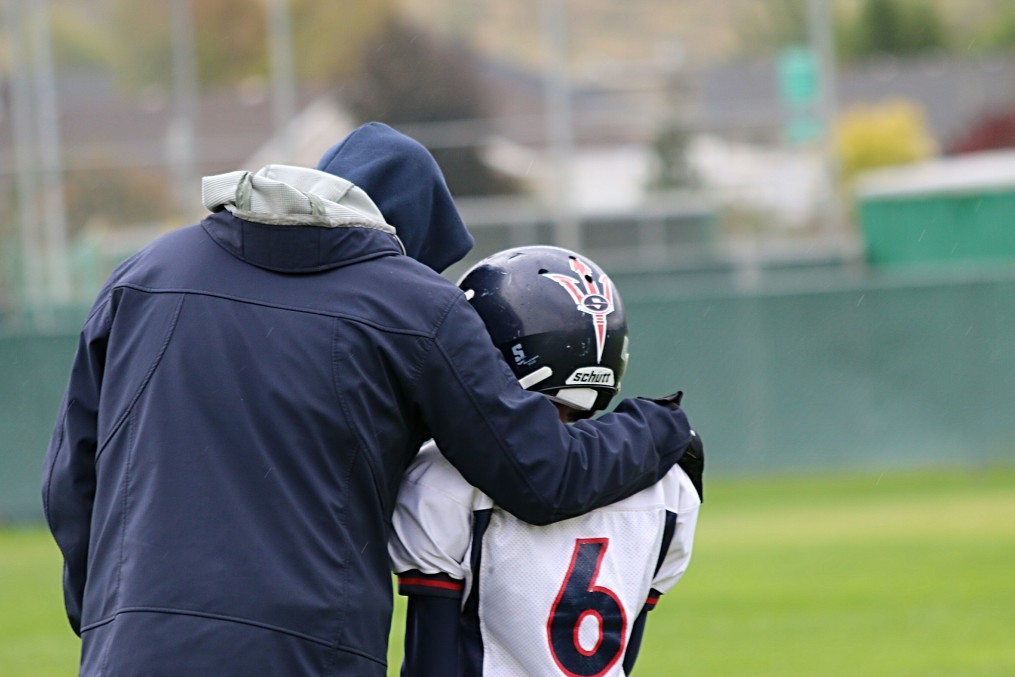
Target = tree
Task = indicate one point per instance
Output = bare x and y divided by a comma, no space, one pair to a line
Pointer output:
898,27
79,43
999,31
330,37
231,38
773,23
671,168
408,76
881,27
882,135
989,132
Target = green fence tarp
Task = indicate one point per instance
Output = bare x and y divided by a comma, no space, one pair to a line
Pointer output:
823,373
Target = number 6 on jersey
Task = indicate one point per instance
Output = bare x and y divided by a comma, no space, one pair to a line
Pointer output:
587,627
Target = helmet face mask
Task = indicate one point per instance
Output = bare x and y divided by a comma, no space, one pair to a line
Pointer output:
558,321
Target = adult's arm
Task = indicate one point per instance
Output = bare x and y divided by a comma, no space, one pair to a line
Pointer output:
510,443
68,479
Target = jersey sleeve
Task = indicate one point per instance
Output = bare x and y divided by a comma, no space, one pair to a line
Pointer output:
432,637
683,501
510,443
432,527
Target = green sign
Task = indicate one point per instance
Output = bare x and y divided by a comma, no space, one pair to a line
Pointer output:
799,88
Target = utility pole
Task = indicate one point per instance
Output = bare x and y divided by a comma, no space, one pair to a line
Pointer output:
50,160
283,77
821,35
559,123
33,276
180,137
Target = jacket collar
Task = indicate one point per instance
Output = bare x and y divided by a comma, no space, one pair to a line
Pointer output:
294,219
295,248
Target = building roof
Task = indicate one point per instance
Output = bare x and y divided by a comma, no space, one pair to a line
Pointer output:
963,174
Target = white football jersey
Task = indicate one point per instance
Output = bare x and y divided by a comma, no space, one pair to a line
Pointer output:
546,600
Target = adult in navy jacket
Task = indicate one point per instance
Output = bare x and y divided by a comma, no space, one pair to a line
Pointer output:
245,397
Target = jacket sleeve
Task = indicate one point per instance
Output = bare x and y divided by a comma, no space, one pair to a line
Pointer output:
68,480
510,443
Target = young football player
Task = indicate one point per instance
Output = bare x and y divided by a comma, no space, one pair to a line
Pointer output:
491,595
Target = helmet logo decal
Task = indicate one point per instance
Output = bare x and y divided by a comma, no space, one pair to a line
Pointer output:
589,297
593,376
520,358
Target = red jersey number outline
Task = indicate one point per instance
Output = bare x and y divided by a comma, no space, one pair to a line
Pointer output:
578,598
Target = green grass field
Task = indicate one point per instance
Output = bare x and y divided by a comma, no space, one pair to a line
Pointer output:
895,575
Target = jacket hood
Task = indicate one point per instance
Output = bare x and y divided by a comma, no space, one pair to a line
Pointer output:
405,182
284,195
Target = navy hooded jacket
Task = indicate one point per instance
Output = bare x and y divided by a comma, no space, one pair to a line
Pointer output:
243,402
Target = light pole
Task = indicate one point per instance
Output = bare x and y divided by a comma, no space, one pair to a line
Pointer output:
50,167
559,125
821,35
32,277
282,73
180,137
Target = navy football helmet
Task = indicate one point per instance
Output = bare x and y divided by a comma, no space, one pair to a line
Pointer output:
558,320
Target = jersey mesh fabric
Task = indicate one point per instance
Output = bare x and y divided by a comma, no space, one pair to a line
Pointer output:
535,582
524,572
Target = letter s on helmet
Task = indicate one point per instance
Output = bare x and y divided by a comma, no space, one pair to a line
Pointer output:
557,319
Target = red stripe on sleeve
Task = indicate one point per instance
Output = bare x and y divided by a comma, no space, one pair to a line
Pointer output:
447,585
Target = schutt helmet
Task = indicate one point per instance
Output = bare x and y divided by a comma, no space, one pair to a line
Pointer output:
558,320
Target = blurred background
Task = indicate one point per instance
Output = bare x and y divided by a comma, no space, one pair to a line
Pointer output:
807,205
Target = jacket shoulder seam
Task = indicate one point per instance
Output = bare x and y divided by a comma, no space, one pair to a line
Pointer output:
281,306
